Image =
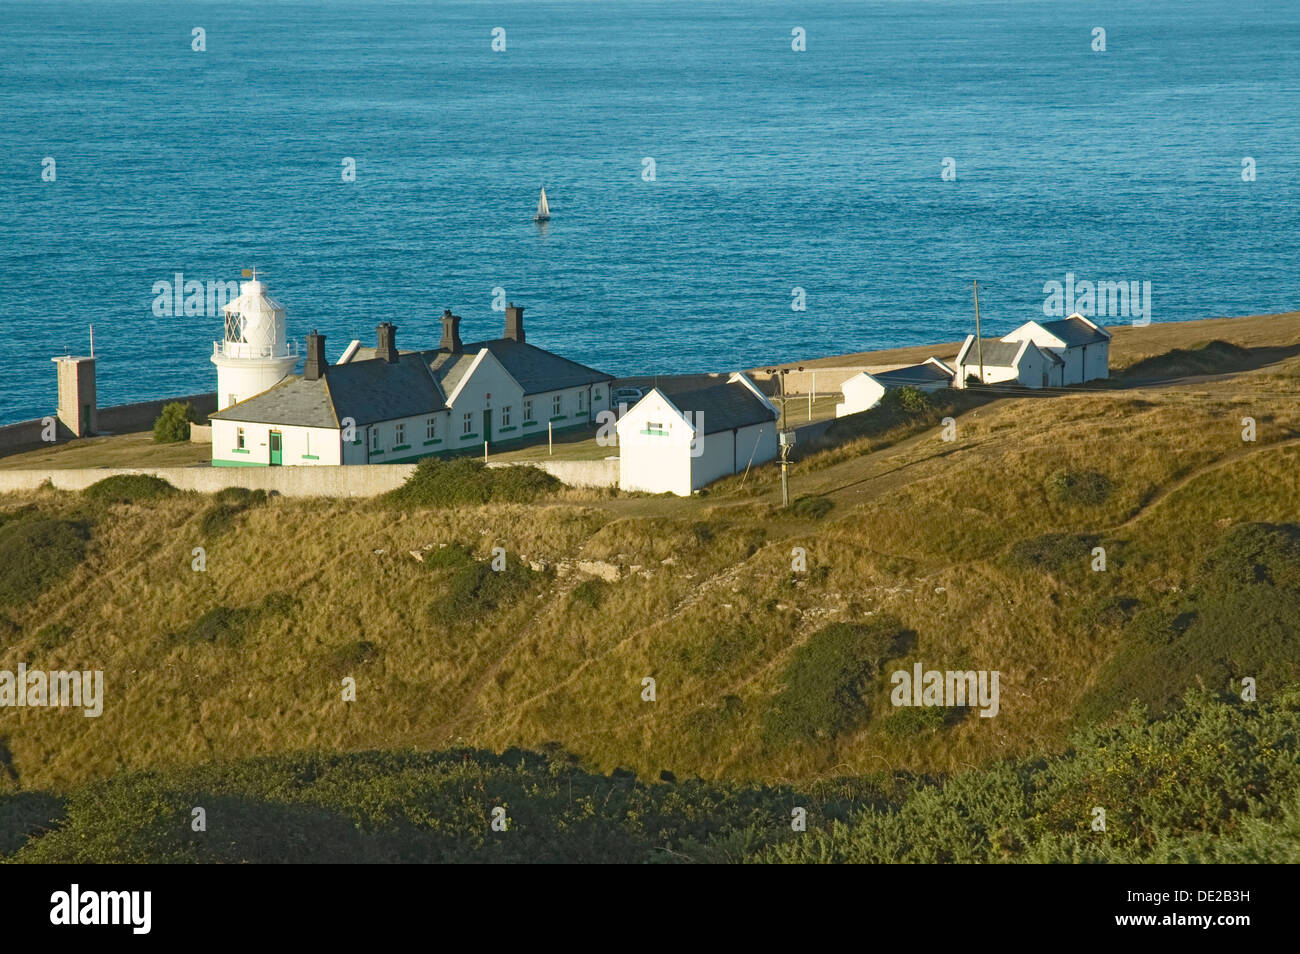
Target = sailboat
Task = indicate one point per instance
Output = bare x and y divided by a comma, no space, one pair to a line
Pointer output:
543,209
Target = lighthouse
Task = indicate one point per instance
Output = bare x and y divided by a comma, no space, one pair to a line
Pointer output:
255,353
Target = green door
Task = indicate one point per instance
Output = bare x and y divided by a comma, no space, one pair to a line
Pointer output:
277,456
487,424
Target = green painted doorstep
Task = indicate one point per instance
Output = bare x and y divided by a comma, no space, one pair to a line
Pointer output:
235,463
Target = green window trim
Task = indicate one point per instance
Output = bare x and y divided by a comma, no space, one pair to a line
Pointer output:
310,457
376,453
402,447
530,423
502,430
240,450
655,433
467,437
434,441
559,417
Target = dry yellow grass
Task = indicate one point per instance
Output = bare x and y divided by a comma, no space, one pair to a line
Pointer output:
707,605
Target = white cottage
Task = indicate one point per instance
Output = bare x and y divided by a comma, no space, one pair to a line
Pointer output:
1007,362
1083,347
379,405
676,441
864,391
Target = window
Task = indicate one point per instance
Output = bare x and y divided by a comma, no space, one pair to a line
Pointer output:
306,436
374,438
528,409
468,428
430,428
232,399
239,438
505,415
654,426
557,405
582,400
595,394
399,433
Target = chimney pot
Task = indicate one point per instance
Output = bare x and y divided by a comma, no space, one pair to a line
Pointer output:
515,322
450,333
314,367
386,336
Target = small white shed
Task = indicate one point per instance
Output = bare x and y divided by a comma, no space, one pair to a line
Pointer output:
677,441
864,391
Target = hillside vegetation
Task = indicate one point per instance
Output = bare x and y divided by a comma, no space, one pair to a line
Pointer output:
467,621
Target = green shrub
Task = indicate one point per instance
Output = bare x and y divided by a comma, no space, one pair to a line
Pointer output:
52,636
9,630
449,483
1254,553
347,658
129,488
173,424
911,400
37,553
226,626
448,558
1055,552
908,721
718,651
828,682
474,589
240,496
589,592
1079,487
812,507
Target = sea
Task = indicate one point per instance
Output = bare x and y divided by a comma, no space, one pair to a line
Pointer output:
731,183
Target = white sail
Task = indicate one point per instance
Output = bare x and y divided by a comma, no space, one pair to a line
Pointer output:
543,208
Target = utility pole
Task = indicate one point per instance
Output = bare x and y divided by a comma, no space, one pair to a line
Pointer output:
784,437
979,342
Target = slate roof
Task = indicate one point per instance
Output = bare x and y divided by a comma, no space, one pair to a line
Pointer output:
1000,354
1074,332
368,391
723,406
915,375
536,369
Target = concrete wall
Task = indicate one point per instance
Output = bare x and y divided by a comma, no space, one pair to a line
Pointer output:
122,419
575,473
364,480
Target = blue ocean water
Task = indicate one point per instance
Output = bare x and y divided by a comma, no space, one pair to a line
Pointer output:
774,169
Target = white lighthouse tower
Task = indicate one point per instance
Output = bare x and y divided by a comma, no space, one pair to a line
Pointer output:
255,353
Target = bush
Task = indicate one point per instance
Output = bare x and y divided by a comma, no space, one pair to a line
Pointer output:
829,680
1254,553
230,503
590,593
36,554
448,483
240,496
224,626
1055,552
910,721
173,424
52,636
129,488
812,507
475,588
1079,487
347,658
912,400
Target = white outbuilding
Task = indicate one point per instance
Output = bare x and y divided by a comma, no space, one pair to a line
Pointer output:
1020,363
1082,346
677,441
864,391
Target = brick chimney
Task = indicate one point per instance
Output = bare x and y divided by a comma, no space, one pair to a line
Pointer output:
450,333
313,368
386,349
515,322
